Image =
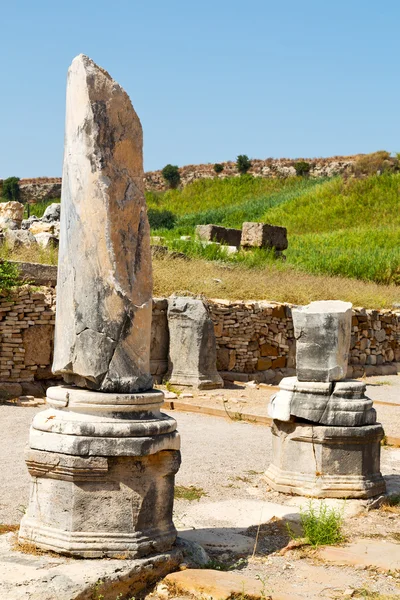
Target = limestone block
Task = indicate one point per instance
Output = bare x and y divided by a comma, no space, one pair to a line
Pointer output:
103,321
41,227
18,238
11,212
52,213
159,338
326,462
322,331
262,235
192,350
46,240
101,506
38,344
341,404
216,233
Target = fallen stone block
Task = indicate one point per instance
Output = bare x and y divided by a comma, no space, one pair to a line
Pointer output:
11,215
263,235
18,238
216,233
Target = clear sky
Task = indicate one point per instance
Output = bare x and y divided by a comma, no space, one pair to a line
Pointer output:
209,79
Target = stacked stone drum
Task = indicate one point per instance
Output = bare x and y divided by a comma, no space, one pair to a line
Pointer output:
326,441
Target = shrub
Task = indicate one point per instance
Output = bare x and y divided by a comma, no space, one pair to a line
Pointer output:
375,163
161,219
171,175
9,276
218,168
302,168
243,164
11,189
322,525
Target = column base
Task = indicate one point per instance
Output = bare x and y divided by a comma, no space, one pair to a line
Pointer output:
326,462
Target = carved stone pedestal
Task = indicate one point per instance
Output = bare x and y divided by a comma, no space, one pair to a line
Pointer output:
326,462
102,468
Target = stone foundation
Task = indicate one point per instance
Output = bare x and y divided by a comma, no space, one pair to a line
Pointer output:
330,462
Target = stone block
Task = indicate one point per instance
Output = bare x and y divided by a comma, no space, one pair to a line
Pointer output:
101,506
326,462
222,235
192,348
11,213
46,240
341,404
263,235
263,364
18,238
38,344
159,344
52,213
38,274
322,331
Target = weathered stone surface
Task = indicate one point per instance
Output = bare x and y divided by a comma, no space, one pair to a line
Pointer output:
215,585
326,462
18,238
103,323
159,339
38,274
105,505
262,235
52,213
322,331
341,404
38,344
46,240
192,350
46,577
11,215
41,227
222,235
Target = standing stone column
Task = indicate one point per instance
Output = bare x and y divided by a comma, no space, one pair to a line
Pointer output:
325,438
102,457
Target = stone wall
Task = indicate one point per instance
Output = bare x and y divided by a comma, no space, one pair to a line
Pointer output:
257,338
44,188
253,338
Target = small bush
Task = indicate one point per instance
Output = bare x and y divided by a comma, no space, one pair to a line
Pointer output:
9,276
218,168
302,168
243,164
189,493
161,219
171,175
376,163
322,525
11,189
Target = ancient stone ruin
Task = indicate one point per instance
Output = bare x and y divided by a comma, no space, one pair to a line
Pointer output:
326,442
192,350
102,457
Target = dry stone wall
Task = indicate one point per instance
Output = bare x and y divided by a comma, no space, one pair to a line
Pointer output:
44,188
253,338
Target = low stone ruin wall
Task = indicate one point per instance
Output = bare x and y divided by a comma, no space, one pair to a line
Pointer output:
254,339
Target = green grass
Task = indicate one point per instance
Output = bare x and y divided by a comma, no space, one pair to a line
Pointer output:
39,208
337,227
189,493
321,525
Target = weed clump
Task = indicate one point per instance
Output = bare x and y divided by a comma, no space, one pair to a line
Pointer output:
322,525
190,493
302,168
171,175
218,168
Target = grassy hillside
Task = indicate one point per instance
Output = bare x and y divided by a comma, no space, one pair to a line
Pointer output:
348,228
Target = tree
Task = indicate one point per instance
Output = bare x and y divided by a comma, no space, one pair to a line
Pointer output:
243,164
302,168
171,175
11,189
218,168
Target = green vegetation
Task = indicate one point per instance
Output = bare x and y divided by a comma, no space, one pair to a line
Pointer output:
9,276
11,189
189,493
243,164
218,168
302,168
38,208
322,526
346,227
171,175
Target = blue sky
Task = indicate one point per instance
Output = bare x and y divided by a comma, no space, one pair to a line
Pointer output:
209,80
